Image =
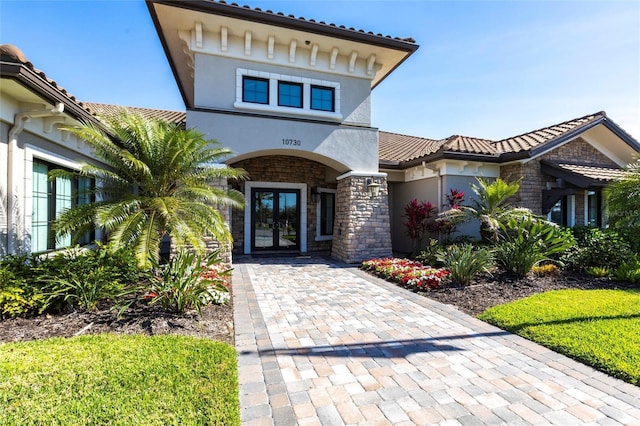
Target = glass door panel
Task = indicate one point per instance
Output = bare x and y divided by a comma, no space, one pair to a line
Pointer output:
263,219
288,220
275,219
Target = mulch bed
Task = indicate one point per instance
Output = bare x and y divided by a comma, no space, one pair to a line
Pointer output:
216,322
489,291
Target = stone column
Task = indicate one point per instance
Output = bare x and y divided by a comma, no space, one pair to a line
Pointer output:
362,229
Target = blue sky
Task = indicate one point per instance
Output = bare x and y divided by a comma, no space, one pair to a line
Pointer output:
488,69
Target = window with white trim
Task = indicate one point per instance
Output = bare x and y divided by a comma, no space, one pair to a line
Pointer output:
564,211
286,94
51,197
255,90
290,94
322,98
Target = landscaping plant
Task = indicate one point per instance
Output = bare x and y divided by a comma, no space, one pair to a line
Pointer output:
490,207
628,272
464,261
597,247
160,179
528,241
189,281
428,256
408,273
623,203
420,220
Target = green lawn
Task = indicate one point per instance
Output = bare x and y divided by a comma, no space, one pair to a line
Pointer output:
119,380
600,328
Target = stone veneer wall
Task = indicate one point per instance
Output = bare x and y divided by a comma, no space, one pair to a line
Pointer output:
534,181
362,229
280,168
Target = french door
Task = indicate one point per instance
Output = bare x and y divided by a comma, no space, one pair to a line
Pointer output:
275,219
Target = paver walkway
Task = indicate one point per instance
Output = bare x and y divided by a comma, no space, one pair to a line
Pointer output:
322,343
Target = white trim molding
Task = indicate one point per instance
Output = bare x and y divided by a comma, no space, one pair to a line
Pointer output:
273,107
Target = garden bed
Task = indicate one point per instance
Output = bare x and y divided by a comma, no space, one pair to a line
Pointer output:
216,323
488,291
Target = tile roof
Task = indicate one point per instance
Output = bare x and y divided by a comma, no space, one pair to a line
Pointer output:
395,147
538,138
176,117
398,149
599,173
466,144
289,19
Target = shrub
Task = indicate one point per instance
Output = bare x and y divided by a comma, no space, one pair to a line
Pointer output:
428,256
598,271
406,272
420,220
628,272
527,241
597,247
546,270
188,281
464,262
81,279
18,297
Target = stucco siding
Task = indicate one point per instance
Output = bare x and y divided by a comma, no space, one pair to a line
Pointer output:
400,194
215,86
343,148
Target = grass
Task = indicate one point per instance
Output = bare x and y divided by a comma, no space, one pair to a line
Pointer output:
597,327
119,380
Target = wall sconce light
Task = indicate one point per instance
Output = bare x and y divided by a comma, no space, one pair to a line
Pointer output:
315,195
373,188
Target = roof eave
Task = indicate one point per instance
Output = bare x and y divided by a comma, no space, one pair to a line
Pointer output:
32,81
451,155
249,14
238,12
574,179
621,133
167,52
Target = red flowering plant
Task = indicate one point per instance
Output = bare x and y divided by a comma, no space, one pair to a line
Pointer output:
420,220
447,223
406,272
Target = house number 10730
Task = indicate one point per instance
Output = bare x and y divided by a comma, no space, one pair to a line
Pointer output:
292,142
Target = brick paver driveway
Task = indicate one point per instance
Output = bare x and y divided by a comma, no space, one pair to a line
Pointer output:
321,342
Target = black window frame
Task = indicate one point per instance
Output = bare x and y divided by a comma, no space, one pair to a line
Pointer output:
324,88
598,208
564,211
245,79
293,84
324,222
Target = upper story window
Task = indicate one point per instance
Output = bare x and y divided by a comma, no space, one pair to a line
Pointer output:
290,94
322,98
285,94
255,90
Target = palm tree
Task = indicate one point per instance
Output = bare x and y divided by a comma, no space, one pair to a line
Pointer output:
160,180
490,207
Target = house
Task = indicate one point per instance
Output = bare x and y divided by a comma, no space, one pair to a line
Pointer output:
563,169
292,98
